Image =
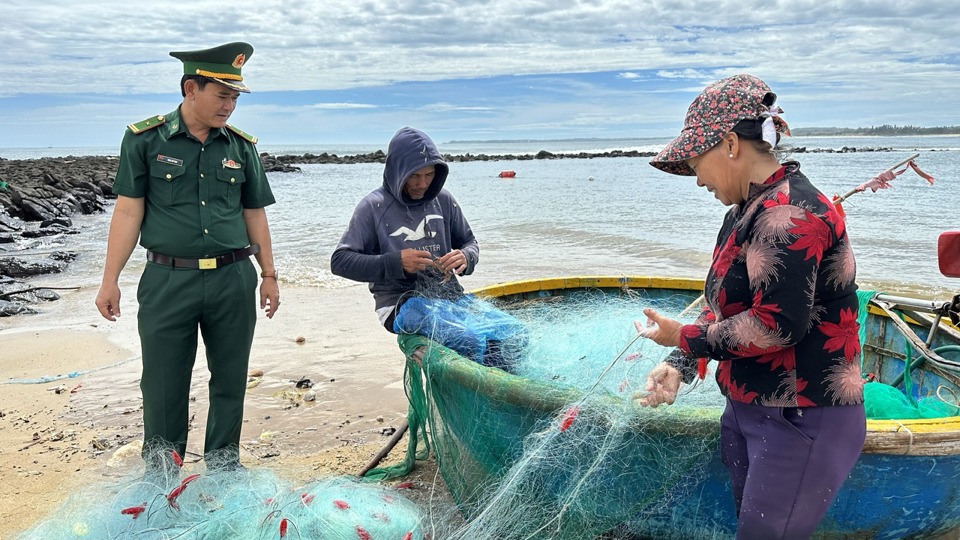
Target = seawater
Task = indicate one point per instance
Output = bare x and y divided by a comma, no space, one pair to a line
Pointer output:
602,216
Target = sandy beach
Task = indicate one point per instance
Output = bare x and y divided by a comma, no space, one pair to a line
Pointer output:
65,434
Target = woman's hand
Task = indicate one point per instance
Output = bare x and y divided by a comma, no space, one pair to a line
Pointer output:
662,330
663,383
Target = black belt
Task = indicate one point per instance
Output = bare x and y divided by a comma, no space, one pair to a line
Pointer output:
204,264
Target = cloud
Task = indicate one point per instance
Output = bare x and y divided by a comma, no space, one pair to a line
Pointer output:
684,74
450,107
343,106
490,63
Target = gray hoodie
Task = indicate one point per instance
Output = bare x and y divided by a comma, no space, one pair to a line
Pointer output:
387,221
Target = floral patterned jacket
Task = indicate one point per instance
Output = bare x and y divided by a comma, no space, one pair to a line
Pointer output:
782,306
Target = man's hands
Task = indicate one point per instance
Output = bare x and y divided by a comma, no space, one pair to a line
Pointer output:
454,261
417,260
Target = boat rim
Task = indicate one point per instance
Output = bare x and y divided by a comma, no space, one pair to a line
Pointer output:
910,436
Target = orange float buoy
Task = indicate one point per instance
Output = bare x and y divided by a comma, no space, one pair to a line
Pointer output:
508,174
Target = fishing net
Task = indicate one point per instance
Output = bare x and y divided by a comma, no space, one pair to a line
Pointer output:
551,447
556,448
223,504
474,329
884,402
914,401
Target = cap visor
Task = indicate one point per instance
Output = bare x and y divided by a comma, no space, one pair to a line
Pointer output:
673,158
234,85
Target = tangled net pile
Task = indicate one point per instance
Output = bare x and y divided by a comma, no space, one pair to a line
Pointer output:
557,449
233,505
565,453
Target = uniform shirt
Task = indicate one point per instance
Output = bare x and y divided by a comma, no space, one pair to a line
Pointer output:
782,304
194,192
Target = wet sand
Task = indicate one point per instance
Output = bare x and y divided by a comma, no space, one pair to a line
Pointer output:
61,434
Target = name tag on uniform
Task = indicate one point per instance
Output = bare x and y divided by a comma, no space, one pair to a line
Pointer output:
230,164
171,160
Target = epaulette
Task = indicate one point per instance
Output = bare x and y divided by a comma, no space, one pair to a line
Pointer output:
243,134
147,125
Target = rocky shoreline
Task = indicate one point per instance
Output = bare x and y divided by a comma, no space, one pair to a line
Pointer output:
37,199
39,196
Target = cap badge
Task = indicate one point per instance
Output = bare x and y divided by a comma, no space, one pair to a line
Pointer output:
239,61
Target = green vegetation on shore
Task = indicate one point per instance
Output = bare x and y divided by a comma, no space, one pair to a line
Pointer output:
877,131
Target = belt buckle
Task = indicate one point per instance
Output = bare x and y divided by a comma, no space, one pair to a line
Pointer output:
207,264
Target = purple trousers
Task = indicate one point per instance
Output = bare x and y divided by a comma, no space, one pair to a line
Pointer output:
786,464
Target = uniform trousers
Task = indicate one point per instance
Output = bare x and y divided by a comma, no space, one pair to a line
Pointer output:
786,464
174,304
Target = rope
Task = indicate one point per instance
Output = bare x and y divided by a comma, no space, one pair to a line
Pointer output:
417,422
956,401
72,375
910,443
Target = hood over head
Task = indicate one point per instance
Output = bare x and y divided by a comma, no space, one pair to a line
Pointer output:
411,150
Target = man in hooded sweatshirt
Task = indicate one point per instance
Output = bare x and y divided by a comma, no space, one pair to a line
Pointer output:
410,240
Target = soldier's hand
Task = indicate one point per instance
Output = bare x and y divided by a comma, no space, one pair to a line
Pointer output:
269,296
108,301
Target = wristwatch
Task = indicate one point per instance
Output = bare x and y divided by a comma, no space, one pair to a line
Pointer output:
272,274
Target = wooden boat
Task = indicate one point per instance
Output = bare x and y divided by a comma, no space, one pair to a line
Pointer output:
906,484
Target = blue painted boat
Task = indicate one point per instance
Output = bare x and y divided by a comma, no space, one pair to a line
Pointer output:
906,484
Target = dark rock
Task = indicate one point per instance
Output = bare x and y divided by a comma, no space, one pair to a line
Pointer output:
49,231
272,164
46,294
31,211
8,223
65,256
62,221
8,309
17,267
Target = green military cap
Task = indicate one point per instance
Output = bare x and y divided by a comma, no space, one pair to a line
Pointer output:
221,64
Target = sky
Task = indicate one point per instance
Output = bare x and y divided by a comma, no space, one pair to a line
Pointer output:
353,72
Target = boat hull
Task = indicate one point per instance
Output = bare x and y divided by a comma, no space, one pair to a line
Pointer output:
906,484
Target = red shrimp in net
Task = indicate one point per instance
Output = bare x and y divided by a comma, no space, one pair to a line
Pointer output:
134,511
568,418
172,496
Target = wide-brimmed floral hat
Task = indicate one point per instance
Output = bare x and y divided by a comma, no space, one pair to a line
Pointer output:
713,114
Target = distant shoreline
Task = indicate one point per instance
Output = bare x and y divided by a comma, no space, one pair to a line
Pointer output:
876,131
797,132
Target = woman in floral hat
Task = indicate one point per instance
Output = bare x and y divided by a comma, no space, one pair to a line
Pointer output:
780,321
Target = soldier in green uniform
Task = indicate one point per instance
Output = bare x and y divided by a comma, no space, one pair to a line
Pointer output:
193,190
